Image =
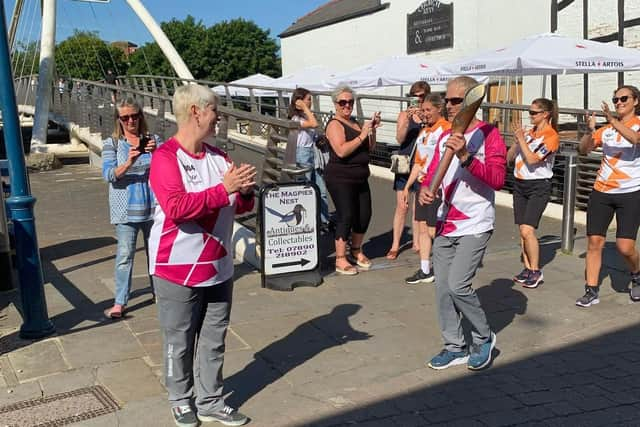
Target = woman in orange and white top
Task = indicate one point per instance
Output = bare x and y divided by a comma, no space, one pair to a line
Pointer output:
616,189
425,215
533,154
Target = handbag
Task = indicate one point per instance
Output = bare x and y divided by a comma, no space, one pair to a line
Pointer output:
401,163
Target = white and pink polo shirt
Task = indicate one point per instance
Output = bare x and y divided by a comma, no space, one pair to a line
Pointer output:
190,241
468,194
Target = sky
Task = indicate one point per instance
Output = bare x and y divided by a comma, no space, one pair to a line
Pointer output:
116,20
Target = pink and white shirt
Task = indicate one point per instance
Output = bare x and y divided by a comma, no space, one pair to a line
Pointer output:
468,194
190,241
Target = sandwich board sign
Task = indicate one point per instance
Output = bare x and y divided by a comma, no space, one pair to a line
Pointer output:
289,235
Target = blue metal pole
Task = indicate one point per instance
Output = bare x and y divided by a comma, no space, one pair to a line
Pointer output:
20,204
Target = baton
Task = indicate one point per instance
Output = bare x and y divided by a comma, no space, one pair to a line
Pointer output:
472,99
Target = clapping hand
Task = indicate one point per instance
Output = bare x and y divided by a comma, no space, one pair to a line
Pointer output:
591,121
607,112
518,131
239,178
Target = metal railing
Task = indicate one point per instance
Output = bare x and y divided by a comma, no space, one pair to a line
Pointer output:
87,103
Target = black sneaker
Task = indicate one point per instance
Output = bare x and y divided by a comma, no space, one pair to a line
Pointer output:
184,416
420,277
589,298
522,276
634,292
227,416
534,279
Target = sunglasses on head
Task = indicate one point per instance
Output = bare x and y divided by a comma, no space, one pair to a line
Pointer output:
127,117
534,112
453,101
623,98
345,102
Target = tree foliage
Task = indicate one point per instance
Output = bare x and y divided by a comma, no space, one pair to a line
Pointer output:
84,55
25,59
225,51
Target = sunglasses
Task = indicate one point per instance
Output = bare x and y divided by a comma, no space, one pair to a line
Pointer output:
345,102
453,101
624,98
419,95
534,112
126,117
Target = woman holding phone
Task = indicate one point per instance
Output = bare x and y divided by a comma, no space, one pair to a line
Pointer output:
300,111
409,125
533,154
347,176
616,189
126,159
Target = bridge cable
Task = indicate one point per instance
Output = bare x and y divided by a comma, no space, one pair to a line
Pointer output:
82,49
70,45
115,66
25,46
141,50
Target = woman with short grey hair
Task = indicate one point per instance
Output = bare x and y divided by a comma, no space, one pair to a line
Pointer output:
199,191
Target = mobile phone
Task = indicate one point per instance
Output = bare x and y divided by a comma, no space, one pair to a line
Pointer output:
144,140
414,102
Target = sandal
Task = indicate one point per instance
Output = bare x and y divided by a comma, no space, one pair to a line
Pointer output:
115,312
392,255
349,270
362,261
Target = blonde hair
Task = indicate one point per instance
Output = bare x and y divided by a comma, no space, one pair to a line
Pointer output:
191,94
118,132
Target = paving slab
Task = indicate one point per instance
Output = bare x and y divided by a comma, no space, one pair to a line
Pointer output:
38,359
129,380
349,352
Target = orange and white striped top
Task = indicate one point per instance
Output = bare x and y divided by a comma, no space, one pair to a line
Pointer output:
620,168
544,144
426,143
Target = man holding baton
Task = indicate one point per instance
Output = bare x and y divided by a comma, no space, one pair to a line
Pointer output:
465,224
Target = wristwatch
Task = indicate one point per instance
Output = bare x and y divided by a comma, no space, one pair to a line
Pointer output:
467,162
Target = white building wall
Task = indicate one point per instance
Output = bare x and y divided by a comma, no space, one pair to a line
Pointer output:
478,25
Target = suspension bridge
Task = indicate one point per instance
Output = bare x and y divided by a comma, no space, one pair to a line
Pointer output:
351,355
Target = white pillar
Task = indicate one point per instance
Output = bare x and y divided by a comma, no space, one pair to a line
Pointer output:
161,38
47,65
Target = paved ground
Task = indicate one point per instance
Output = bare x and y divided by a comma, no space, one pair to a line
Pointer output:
351,351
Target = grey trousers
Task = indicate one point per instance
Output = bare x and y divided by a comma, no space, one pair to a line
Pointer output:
455,261
194,324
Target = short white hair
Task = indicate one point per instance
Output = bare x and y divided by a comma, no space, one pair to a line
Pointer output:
191,94
464,82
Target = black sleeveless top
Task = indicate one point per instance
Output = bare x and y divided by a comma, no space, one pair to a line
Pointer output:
352,168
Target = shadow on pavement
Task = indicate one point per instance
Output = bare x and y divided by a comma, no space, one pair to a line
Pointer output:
502,302
593,383
614,266
83,307
302,344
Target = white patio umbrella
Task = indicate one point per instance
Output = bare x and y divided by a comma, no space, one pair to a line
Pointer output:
311,78
252,80
548,54
391,71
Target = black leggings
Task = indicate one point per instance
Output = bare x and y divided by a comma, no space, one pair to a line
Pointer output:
353,207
